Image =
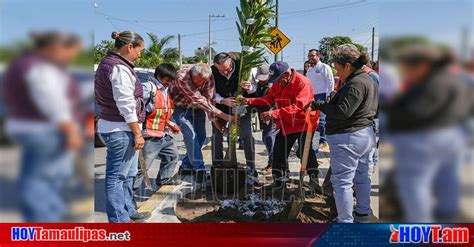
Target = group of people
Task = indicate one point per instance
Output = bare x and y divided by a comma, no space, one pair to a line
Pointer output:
135,115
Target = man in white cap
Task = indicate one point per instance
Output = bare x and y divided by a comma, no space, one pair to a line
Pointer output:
259,77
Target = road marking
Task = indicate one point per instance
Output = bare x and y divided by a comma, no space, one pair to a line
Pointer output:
151,204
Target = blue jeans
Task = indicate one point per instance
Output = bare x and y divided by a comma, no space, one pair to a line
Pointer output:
46,165
351,162
245,134
163,149
375,158
268,138
322,123
192,123
121,168
427,170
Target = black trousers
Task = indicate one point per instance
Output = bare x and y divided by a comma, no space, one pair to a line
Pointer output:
281,151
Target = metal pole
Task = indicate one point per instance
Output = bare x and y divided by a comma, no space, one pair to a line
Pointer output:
373,35
209,45
179,51
465,44
276,23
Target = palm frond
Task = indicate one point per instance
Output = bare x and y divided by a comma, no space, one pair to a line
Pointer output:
250,35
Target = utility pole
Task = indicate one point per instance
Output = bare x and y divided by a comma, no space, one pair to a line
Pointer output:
464,44
373,36
209,45
276,23
179,51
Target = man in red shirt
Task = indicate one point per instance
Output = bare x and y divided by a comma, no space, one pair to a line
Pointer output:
288,96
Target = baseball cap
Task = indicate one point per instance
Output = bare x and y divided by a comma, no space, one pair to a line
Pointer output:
276,69
263,72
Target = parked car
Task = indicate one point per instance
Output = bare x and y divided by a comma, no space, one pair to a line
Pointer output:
144,76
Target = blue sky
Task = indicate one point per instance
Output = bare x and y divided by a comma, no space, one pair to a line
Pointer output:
19,17
305,22
441,21
306,27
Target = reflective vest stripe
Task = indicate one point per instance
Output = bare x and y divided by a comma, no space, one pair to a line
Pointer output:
162,112
157,118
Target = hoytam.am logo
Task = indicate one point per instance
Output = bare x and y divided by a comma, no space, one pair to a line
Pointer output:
435,234
72,234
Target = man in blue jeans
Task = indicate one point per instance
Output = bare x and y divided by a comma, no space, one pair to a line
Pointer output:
159,144
193,96
322,80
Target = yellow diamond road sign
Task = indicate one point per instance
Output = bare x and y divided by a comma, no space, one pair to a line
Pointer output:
279,41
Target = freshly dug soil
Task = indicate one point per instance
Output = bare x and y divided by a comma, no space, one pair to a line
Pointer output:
206,206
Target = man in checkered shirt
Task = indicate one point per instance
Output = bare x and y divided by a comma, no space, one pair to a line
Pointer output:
193,95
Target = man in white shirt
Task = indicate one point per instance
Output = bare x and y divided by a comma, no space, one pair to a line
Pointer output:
322,80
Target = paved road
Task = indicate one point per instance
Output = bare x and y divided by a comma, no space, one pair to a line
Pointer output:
261,162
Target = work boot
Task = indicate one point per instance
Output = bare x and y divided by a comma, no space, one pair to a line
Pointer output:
140,217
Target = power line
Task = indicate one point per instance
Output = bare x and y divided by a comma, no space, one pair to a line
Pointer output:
214,31
370,23
165,21
129,22
323,8
118,29
231,18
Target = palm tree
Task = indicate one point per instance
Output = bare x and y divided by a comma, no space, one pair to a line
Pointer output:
157,52
254,28
100,50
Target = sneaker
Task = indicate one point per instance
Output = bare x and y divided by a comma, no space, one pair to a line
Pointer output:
169,181
361,218
140,217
